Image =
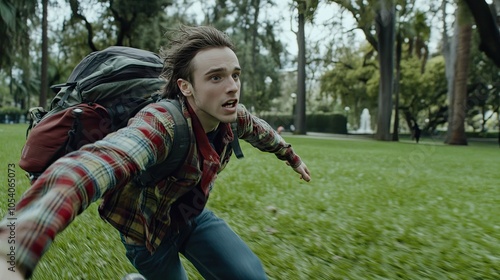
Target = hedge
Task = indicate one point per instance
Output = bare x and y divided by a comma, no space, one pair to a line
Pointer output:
13,114
315,122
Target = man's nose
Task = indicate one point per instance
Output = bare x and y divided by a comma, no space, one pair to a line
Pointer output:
233,85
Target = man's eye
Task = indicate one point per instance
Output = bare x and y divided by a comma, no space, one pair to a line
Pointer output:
236,76
215,78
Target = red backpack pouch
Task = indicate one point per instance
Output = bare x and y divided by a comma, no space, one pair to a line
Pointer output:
63,132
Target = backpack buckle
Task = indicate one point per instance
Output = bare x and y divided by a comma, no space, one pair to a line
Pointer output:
36,114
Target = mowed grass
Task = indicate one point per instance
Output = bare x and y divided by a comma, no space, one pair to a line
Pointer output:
373,210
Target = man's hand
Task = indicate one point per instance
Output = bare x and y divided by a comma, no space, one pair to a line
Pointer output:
303,171
6,274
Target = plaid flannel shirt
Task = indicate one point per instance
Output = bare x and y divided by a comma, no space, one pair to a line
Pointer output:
105,168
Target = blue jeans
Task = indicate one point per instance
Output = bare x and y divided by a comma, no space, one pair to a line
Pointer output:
208,243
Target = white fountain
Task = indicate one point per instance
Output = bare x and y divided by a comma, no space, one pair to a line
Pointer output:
365,122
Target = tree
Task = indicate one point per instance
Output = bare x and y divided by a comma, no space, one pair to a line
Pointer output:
399,43
381,15
483,88
449,53
413,35
488,29
352,79
423,95
300,107
16,18
259,51
7,31
385,26
457,125
45,54
305,11
123,18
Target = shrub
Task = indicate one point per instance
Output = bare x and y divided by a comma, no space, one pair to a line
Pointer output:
315,122
11,114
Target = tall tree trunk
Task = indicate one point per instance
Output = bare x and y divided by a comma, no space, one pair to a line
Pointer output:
450,57
44,87
457,136
11,87
498,113
496,11
395,132
385,25
255,49
300,110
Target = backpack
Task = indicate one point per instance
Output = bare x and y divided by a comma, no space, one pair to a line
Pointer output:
103,92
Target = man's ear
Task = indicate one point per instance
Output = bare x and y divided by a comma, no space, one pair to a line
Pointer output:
184,86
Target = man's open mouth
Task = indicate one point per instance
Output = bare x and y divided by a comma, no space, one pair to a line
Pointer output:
230,104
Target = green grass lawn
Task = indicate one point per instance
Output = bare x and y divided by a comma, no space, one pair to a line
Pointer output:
373,210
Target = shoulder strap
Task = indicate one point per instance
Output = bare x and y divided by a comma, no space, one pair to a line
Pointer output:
235,144
180,148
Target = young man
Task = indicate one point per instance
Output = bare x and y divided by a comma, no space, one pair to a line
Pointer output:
158,223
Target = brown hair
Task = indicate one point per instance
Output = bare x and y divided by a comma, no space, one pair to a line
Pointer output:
182,48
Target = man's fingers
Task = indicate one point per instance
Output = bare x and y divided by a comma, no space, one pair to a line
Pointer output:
306,177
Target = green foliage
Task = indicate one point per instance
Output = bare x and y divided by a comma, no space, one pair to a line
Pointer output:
483,79
354,80
373,210
351,78
258,49
419,91
7,15
432,81
15,19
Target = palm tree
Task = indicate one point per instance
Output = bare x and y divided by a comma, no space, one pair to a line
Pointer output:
7,32
16,17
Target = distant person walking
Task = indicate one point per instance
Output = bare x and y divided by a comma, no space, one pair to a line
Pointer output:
416,132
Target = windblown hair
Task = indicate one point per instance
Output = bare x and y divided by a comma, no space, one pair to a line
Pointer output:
182,48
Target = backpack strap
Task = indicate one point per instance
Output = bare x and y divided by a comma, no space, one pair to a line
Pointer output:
180,147
235,144
178,153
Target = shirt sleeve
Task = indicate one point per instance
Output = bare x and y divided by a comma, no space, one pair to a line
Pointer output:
80,178
262,136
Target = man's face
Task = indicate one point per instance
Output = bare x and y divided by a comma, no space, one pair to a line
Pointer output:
215,91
